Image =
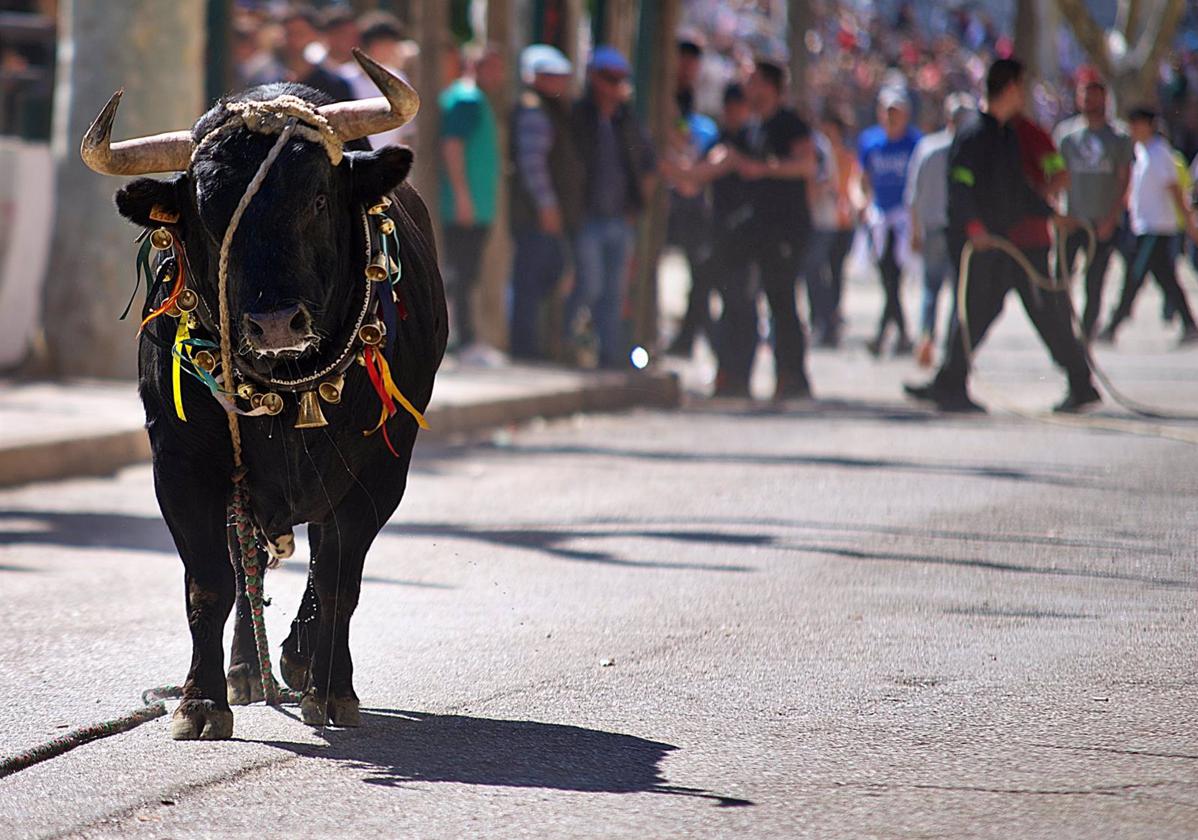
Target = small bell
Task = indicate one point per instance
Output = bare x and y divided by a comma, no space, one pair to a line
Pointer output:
377,270
371,334
161,239
273,404
330,389
380,207
188,300
310,415
245,391
204,361
387,227
256,400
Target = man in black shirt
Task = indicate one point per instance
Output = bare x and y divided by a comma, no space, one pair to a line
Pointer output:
301,27
780,156
989,194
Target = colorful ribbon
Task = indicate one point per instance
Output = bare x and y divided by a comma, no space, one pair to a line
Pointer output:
388,392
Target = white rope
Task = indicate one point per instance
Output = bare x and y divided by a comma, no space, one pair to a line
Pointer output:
226,343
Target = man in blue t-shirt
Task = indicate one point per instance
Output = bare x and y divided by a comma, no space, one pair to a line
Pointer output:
885,151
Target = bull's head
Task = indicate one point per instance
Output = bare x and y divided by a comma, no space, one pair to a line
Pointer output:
300,243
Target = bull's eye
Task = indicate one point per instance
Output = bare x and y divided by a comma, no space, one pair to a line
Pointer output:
320,203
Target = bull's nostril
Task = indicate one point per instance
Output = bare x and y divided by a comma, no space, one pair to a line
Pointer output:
255,328
299,322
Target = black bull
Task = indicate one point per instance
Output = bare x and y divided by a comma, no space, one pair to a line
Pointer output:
343,485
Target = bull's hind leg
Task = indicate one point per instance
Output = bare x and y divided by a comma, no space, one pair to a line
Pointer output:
339,551
196,517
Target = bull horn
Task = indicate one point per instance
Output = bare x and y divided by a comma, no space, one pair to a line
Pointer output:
396,107
170,152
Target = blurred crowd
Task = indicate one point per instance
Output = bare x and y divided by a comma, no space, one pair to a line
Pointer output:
768,187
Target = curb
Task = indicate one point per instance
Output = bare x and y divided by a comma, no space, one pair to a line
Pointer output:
102,455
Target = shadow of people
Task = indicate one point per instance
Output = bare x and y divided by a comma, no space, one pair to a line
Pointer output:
396,747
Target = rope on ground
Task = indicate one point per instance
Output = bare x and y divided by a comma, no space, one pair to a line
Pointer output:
1048,284
154,708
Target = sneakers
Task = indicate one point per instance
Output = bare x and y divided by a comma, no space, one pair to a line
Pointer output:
903,346
947,401
1190,336
1078,400
792,386
1106,336
874,346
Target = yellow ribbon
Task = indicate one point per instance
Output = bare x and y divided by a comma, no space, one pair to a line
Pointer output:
398,396
181,335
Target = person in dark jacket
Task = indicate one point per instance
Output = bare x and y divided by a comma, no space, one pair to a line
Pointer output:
618,166
546,202
990,196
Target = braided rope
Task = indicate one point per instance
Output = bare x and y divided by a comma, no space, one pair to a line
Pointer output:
271,116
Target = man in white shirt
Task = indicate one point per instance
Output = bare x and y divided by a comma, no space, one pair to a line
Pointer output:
1156,205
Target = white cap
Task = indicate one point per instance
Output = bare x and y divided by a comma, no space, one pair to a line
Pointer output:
893,97
543,60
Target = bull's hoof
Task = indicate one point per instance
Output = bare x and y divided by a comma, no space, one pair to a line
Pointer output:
338,711
294,671
244,686
201,720
343,711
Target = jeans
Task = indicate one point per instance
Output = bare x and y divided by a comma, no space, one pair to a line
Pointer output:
892,275
1155,256
536,270
1095,275
601,249
462,253
936,266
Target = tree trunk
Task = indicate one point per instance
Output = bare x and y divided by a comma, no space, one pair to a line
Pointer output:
491,309
431,29
799,19
155,51
1149,29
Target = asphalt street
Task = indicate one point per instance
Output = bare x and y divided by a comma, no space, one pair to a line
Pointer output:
848,618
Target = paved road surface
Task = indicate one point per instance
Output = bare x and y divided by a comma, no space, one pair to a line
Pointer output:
853,619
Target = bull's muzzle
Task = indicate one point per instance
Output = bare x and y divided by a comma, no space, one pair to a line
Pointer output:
281,334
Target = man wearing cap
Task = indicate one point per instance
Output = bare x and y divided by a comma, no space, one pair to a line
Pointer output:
618,165
1158,213
1098,156
990,195
546,202
926,198
885,151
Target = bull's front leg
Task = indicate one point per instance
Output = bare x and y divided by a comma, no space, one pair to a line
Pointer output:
338,555
195,512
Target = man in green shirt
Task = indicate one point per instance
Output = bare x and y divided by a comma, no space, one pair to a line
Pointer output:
469,185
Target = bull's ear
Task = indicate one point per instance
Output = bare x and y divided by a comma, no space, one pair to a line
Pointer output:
149,202
379,172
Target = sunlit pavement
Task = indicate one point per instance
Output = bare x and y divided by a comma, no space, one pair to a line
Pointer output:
844,618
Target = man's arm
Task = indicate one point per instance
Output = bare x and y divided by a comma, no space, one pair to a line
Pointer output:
913,189
1183,210
453,154
797,166
963,165
534,139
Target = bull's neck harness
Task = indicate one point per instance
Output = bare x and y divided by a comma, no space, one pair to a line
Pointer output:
240,389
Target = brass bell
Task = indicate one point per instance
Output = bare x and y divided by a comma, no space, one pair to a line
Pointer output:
273,404
371,334
161,239
310,415
188,300
245,391
174,311
330,389
387,227
360,358
377,270
204,361
256,400
380,208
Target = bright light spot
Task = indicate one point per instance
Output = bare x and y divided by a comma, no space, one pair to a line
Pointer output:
640,358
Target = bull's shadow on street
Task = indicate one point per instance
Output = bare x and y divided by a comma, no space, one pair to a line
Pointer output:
396,747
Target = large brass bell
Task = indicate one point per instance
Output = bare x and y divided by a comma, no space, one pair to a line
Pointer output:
330,389
161,239
310,415
272,402
246,391
188,300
